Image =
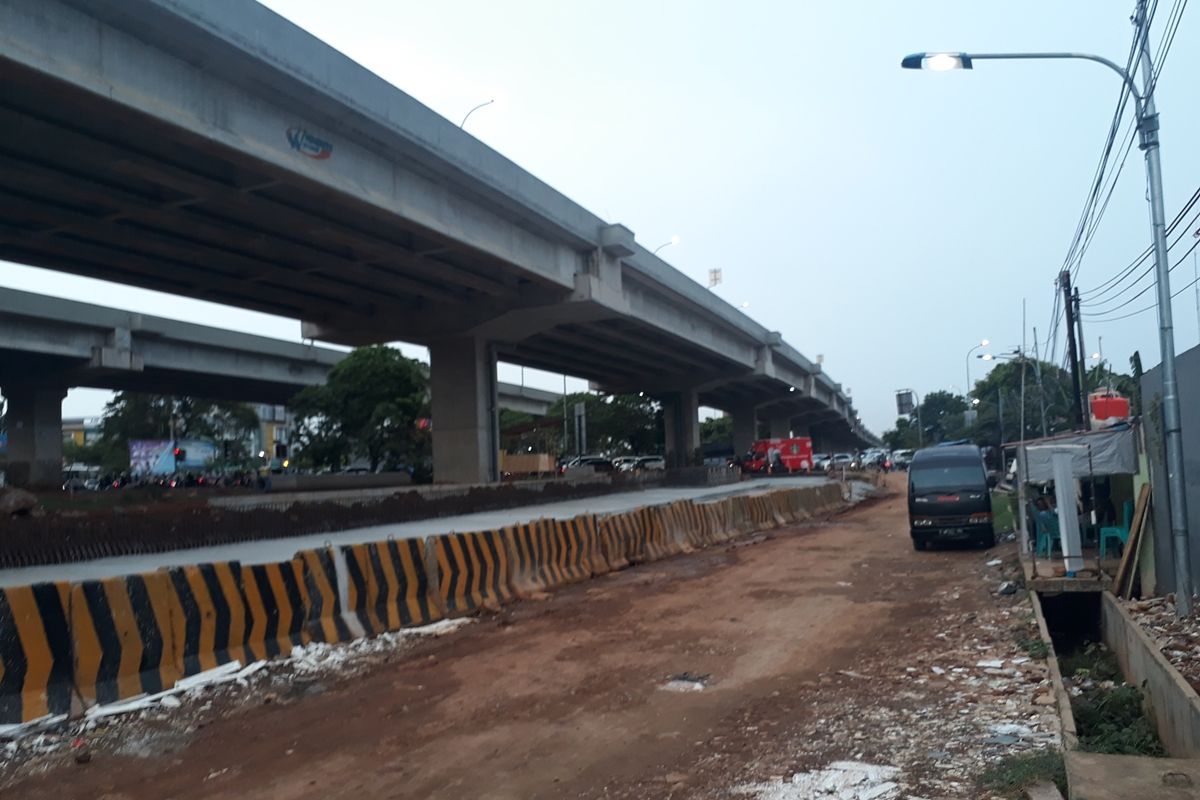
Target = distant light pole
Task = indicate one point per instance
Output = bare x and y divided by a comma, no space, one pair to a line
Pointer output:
1147,127
473,110
982,343
674,240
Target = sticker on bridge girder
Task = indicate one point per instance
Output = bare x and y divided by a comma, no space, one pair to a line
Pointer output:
308,145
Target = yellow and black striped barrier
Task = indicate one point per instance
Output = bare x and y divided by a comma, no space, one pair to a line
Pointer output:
619,541
36,672
472,568
122,637
208,615
276,599
323,619
531,568
116,638
389,587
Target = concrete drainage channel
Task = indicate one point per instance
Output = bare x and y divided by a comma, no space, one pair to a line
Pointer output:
1130,722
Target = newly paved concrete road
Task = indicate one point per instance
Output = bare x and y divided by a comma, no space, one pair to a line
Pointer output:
269,550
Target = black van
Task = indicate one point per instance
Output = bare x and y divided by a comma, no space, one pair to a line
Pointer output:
949,497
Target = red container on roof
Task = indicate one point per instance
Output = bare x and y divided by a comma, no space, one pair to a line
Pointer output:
1108,407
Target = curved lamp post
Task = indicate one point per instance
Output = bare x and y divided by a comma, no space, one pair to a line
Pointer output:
1147,126
674,240
473,110
982,343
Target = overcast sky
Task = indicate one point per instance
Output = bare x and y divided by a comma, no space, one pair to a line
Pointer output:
885,219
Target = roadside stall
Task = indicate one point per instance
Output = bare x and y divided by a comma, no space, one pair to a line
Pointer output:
1091,502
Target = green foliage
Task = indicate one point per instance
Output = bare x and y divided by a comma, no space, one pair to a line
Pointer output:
1012,775
1002,512
1045,383
367,407
941,414
717,430
1113,722
131,415
1108,720
616,424
521,433
1034,648
903,436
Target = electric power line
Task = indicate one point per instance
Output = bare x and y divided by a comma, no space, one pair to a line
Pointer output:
1139,294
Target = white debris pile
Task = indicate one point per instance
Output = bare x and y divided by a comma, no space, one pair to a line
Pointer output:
233,672
841,780
48,736
1178,639
318,657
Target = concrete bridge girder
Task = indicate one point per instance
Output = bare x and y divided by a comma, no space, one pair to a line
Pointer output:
258,167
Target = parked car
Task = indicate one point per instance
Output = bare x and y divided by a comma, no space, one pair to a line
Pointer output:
625,463
842,461
821,461
588,464
651,462
902,458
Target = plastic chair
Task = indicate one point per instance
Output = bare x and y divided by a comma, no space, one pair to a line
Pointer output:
1120,533
1048,534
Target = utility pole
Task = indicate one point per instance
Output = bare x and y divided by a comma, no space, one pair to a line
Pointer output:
1064,280
566,448
1037,372
1083,359
1172,425
1000,420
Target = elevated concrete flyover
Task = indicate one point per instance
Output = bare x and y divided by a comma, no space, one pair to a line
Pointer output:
215,150
49,345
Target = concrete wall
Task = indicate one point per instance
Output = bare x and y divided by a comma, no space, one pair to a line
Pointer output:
1187,368
1174,704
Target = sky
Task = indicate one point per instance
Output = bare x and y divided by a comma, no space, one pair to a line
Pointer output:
883,218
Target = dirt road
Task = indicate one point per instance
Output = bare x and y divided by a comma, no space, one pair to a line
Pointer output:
812,644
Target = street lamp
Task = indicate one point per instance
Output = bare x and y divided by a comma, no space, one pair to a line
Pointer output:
473,110
982,343
674,240
1147,126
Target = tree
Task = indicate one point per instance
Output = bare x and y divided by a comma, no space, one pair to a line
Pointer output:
368,407
616,424
903,436
941,414
716,430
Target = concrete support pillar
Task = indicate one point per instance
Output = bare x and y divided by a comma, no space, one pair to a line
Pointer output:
681,422
745,428
35,444
462,385
781,425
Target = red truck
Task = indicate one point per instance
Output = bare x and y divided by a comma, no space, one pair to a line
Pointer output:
795,455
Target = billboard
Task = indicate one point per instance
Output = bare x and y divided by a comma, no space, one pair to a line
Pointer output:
904,403
157,456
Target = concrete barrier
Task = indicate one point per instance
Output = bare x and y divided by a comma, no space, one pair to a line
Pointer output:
35,652
208,616
619,541
121,637
473,568
276,602
533,547
389,586
323,617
